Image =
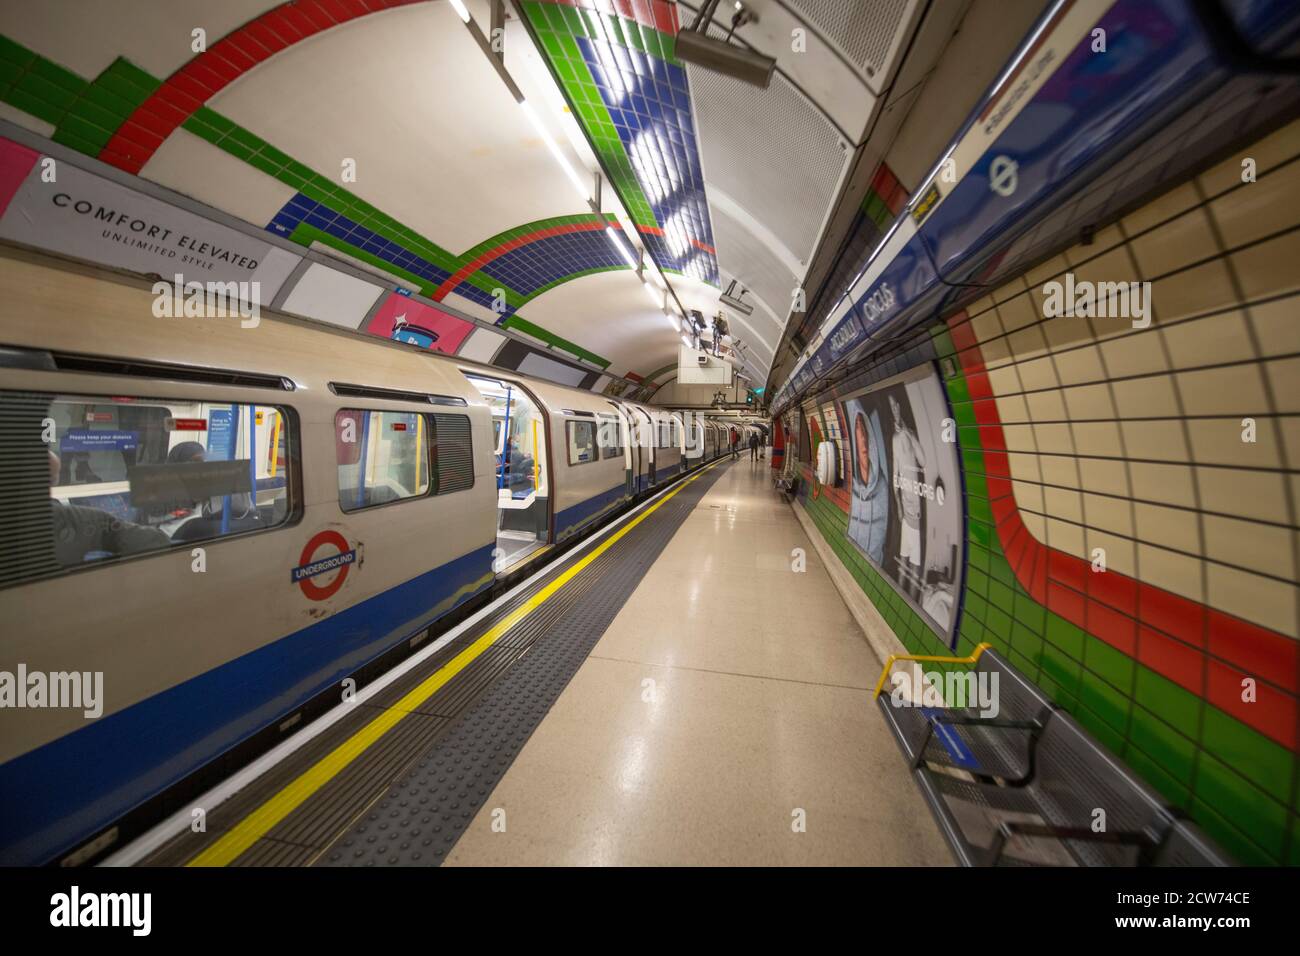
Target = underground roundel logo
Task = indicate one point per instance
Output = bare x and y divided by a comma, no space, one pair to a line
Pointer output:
316,563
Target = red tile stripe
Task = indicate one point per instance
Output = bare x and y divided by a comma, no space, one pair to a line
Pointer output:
469,268
1197,647
181,94
657,14
891,192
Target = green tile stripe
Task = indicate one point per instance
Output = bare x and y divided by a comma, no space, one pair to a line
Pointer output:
257,152
85,115
875,209
556,26
501,238
1145,719
520,324
1232,780
306,234
670,367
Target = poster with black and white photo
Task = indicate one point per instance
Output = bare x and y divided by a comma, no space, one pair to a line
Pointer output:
905,510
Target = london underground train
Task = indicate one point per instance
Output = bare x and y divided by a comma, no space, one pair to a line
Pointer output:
208,528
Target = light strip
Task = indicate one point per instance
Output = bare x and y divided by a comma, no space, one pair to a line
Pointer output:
655,293
583,188
615,237
459,7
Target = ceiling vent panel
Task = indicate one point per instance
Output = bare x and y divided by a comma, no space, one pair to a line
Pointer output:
757,269
867,34
772,152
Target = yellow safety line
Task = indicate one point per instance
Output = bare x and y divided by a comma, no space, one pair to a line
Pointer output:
258,823
979,649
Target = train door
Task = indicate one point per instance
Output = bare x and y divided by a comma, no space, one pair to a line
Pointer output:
631,454
647,441
523,492
693,439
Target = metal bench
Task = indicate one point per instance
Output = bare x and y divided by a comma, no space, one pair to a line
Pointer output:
1027,786
788,487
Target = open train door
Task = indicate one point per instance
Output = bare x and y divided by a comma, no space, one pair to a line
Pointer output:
522,469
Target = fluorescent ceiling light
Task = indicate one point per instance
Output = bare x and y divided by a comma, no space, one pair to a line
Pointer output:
655,293
459,7
615,236
687,342
554,147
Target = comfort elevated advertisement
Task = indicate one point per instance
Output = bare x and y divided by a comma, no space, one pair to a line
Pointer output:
53,205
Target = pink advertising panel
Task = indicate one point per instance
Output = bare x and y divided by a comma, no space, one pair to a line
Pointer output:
406,320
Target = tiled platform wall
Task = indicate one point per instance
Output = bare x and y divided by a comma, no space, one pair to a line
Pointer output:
1078,434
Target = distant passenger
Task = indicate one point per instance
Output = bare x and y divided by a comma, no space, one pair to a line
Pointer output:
86,534
735,443
753,447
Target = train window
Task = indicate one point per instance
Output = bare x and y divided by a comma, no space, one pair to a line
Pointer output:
582,441
382,457
610,436
127,476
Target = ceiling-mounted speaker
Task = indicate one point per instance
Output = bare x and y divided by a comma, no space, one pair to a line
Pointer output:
746,65
735,302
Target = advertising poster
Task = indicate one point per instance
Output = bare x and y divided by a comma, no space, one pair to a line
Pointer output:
408,320
905,503
91,218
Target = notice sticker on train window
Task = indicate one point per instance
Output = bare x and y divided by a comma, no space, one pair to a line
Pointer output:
187,424
99,416
399,426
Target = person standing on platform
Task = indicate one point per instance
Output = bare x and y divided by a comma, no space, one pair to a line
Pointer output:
735,444
753,447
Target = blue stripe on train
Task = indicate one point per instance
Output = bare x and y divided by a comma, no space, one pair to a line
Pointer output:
570,519
60,794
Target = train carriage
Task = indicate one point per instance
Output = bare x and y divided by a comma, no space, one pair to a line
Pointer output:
240,534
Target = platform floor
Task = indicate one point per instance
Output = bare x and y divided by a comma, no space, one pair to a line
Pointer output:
678,694
729,693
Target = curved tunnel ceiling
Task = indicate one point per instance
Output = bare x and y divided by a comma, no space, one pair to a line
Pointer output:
457,194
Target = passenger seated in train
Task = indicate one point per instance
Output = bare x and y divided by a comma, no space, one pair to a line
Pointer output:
88,534
519,472
187,451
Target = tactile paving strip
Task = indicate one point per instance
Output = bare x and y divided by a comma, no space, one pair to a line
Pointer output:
424,813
